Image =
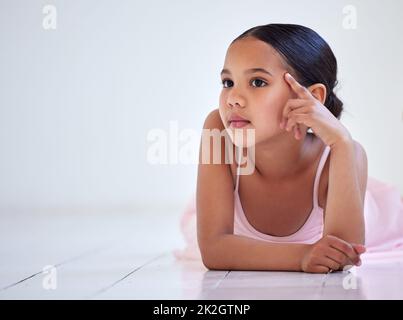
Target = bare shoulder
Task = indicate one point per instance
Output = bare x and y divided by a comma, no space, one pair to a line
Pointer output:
361,167
361,159
213,120
361,155
361,163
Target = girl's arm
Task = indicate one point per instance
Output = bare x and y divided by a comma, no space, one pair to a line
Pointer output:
234,252
221,249
348,163
346,192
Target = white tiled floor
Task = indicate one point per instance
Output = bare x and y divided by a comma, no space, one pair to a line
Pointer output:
128,256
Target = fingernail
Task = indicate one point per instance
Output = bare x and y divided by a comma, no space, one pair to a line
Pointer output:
362,249
288,75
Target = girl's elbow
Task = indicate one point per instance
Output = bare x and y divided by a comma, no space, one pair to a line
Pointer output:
212,262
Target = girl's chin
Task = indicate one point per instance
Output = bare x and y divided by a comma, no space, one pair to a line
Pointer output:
242,137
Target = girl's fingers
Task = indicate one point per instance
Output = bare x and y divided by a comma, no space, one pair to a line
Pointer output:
300,90
337,256
329,263
321,269
293,127
297,132
359,248
290,124
300,114
345,248
283,123
291,105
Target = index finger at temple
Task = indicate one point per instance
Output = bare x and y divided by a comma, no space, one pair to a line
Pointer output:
299,89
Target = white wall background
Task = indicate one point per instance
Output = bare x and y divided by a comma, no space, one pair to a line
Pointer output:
76,103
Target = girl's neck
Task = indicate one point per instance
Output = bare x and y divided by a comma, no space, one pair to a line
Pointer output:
283,157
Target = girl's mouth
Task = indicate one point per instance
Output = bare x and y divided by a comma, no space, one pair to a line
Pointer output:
239,123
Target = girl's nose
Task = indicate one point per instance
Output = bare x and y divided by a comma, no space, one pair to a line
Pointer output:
236,101
235,104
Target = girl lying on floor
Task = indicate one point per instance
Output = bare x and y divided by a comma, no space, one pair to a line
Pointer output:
308,204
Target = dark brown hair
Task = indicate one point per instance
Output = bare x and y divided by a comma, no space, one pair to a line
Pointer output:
307,54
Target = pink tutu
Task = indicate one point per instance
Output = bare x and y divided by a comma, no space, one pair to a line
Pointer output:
383,209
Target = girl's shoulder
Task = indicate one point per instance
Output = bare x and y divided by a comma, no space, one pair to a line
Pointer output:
361,164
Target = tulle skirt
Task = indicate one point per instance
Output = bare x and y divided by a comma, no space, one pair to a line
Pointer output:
383,210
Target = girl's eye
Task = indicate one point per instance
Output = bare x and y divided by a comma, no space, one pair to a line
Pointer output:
258,83
224,81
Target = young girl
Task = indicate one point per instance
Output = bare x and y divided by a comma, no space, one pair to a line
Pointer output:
307,205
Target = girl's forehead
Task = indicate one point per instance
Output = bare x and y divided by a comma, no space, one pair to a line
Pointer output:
251,53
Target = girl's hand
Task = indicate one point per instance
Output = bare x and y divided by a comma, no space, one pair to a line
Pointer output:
309,111
331,254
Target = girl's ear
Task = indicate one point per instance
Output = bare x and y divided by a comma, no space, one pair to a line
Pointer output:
318,90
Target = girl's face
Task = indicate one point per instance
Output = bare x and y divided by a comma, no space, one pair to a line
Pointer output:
256,95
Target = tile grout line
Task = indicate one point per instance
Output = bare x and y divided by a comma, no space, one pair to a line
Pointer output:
126,276
62,263
218,283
